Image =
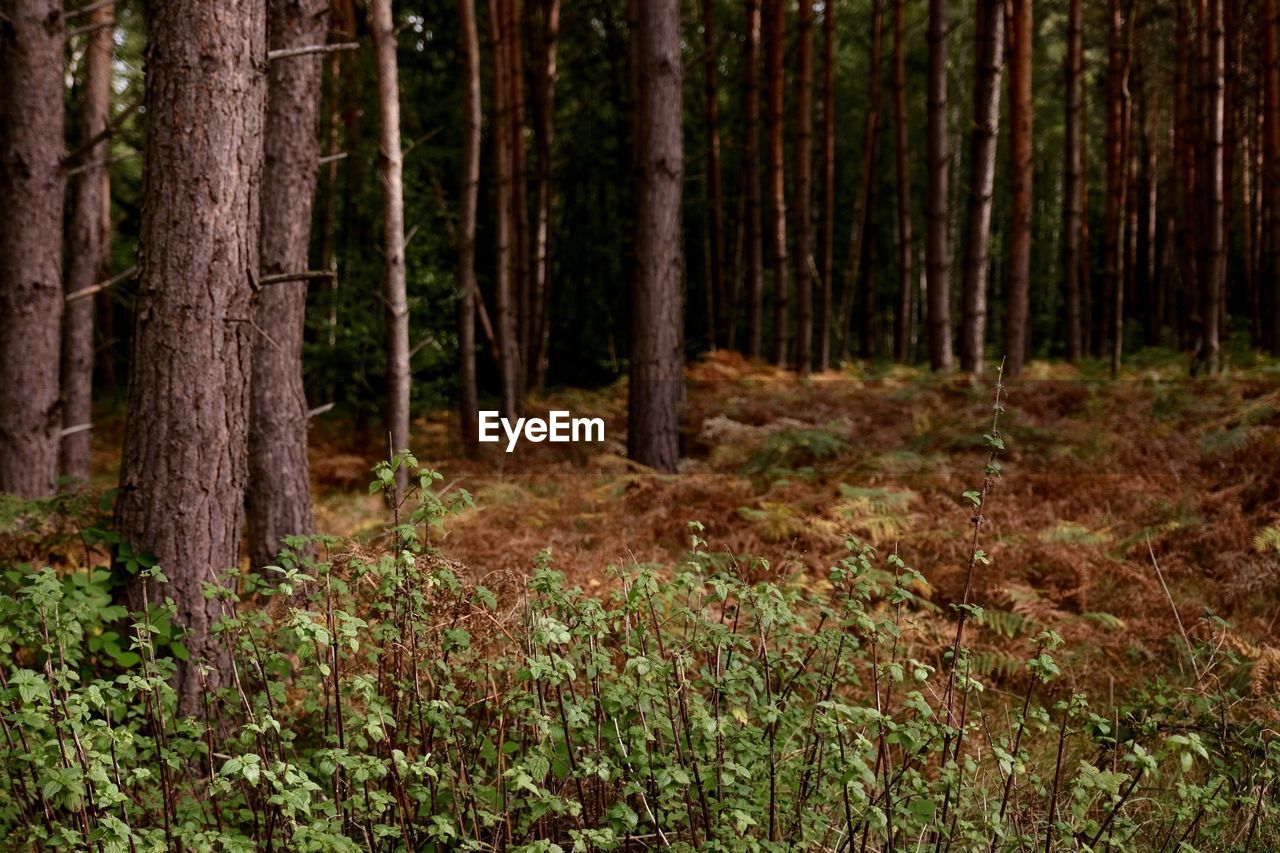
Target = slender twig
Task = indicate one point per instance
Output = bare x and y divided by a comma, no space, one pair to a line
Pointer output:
289,52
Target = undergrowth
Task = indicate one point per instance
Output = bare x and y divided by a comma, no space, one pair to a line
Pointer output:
379,700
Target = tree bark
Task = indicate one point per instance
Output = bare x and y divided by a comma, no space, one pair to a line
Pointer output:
89,253
1214,283
982,165
938,237
1118,105
828,182
504,299
902,151
804,191
1073,189
391,172
774,47
723,318
520,243
1019,242
468,394
754,265
656,378
32,57
1271,167
546,31
184,463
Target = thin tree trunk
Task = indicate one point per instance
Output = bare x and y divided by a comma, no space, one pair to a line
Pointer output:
1271,168
861,209
1019,242
828,182
1214,283
278,493
938,236
774,47
32,57
723,318
1118,65
754,253
391,171
902,151
90,255
546,33
468,395
1073,189
653,437
520,243
505,302
184,464
804,191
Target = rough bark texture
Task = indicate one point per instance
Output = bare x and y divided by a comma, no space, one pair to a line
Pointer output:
1019,242
828,182
1073,181
1271,165
653,437
715,195
545,31
184,464
278,496
391,172
1214,282
982,166
89,250
1117,180
774,49
902,151
754,252
468,402
938,236
520,242
505,301
32,47
804,191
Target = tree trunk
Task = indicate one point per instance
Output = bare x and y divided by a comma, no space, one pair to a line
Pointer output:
723,318
1271,168
1214,282
938,238
90,254
468,395
391,172
861,209
982,163
32,58
653,437
751,179
906,273
504,298
1118,64
546,32
278,496
184,463
520,243
828,182
804,191
1073,254
774,48
1019,242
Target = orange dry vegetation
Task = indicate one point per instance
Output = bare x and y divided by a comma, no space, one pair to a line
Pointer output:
781,468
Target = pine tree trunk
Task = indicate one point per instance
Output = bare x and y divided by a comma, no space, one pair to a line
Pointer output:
828,183
938,237
774,48
89,250
1271,168
546,31
723,320
520,242
184,464
1019,241
468,394
902,151
278,495
1073,253
1117,180
1214,283
391,172
653,437
504,298
32,57
804,192
862,200
754,253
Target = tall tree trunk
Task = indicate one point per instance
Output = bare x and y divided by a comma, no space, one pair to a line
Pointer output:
653,436
504,298
1073,253
938,237
1214,282
775,24
1019,242
278,494
862,199
520,242
715,201
391,172
754,253
902,151
90,254
468,394
828,182
1118,65
546,34
1271,167
32,57
184,465
1186,145
804,191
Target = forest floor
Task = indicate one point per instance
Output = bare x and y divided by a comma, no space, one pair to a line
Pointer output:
1102,481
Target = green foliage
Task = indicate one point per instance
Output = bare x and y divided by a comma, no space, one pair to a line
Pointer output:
791,453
